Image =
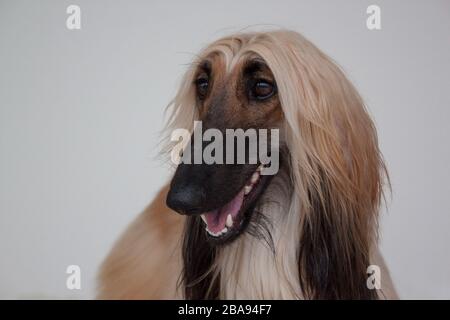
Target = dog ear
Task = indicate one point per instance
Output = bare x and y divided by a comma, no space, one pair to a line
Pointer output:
344,181
333,251
336,167
343,194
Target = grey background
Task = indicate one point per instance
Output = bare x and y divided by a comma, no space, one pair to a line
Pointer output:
80,113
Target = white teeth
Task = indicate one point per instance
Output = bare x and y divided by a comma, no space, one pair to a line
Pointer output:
255,177
247,189
218,234
229,222
203,218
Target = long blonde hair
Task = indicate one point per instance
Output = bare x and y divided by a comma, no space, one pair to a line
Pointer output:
336,171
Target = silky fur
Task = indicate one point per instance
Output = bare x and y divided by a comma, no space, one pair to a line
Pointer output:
314,230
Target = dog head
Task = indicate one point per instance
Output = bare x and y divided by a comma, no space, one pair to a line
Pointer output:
328,143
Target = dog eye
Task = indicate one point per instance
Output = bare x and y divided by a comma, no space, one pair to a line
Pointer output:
202,85
262,90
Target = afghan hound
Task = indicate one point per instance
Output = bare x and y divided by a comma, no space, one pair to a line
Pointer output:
307,232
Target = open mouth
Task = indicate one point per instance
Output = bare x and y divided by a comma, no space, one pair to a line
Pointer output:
227,222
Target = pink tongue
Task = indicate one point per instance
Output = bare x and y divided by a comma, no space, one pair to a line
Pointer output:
217,219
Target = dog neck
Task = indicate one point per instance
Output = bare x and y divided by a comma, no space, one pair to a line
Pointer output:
262,263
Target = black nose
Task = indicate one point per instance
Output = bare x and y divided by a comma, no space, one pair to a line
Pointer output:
187,199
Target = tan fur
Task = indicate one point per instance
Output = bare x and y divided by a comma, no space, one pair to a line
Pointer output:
146,261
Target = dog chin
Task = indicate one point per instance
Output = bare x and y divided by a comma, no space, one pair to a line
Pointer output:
228,222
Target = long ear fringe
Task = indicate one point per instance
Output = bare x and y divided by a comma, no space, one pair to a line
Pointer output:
180,113
333,252
336,166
